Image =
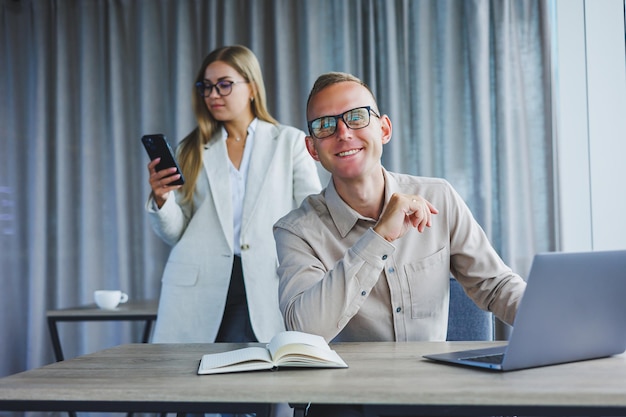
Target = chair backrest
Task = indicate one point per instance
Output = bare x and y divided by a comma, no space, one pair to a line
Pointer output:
466,321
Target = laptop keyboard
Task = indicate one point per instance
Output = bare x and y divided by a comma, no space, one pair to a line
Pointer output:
495,359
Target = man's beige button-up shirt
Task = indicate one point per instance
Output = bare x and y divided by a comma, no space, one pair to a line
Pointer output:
341,280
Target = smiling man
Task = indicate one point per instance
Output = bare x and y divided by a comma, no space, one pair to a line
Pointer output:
370,257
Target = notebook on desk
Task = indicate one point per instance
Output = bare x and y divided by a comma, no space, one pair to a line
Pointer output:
574,308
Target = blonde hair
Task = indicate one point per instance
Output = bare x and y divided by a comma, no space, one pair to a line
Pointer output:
190,151
331,78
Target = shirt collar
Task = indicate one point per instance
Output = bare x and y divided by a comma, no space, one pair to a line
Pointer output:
344,216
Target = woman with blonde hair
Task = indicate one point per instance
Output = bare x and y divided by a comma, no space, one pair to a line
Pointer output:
243,171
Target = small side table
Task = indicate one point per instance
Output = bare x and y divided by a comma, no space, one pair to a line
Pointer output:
145,310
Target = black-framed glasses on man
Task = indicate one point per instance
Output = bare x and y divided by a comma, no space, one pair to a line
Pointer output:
223,88
326,126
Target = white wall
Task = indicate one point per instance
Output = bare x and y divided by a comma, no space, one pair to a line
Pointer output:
591,123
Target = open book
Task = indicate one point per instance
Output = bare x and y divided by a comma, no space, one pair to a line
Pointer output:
286,349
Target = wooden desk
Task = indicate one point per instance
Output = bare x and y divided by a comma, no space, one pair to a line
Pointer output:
130,311
391,378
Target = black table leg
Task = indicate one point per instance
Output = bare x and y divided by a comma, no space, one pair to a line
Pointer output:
299,410
147,330
54,335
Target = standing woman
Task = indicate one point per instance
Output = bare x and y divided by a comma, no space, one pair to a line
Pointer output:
243,171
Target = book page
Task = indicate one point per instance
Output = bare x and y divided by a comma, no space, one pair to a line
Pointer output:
246,359
297,355
293,337
294,348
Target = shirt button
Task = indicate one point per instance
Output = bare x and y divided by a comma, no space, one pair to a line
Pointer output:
398,309
245,246
384,257
363,292
392,270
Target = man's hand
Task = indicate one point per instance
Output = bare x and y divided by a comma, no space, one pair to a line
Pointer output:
402,212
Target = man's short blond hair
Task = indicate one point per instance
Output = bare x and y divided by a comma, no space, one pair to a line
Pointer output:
331,78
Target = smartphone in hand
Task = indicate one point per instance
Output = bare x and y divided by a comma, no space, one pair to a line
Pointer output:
157,147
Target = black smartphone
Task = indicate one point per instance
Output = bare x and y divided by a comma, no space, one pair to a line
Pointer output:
157,147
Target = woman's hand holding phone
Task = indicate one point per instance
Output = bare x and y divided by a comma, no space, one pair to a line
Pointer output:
165,174
161,181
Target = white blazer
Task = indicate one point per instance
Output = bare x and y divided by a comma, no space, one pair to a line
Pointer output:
197,274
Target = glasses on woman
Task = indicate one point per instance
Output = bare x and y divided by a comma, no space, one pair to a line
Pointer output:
223,88
326,126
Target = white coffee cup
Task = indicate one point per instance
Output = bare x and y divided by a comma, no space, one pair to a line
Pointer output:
109,299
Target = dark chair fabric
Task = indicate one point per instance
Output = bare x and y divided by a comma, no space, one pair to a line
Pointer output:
466,321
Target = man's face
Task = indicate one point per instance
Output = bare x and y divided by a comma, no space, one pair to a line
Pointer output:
348,154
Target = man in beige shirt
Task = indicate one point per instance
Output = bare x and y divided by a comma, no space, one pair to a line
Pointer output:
369,258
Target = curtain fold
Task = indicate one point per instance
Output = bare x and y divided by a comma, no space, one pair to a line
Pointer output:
465,83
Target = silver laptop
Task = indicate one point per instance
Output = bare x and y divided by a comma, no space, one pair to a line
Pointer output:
574,308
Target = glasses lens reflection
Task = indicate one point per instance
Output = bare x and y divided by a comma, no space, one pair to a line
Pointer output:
327,125
223,88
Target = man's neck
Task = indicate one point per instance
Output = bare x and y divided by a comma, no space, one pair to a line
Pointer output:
365,195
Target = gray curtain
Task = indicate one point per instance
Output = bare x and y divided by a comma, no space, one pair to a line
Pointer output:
466,84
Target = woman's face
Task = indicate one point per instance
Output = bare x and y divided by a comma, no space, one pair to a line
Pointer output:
233,100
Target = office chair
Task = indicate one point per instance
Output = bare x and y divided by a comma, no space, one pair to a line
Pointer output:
466,321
